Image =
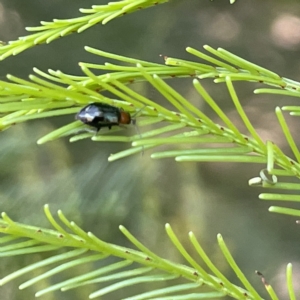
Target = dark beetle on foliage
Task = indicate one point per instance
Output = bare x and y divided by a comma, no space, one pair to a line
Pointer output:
100,115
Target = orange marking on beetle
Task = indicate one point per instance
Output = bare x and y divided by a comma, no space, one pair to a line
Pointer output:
125,118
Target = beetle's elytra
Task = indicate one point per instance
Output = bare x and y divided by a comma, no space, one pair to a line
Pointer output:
100,115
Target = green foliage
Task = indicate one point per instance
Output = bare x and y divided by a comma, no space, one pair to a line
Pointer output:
58,94
50,31
42,97
86,248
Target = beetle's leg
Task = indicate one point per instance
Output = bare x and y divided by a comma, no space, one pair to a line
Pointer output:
97,130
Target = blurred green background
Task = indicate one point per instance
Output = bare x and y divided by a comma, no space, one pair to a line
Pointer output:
140,193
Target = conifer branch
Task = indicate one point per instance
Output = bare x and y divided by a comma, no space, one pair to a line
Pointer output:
50,31
57,93
131,267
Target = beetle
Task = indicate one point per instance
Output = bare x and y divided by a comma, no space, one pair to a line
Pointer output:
100,115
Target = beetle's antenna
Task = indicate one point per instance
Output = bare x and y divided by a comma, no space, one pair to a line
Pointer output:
138,132
134,122
137,112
